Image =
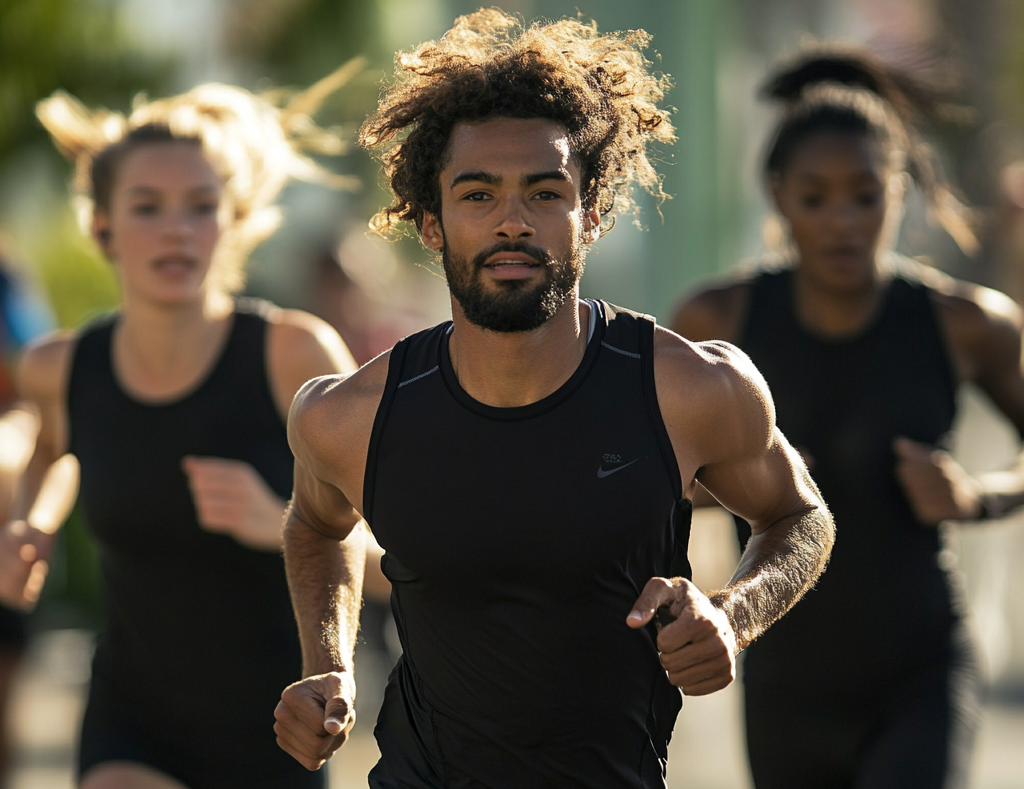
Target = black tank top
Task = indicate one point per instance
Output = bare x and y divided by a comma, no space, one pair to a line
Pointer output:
885,603
517,540
198,636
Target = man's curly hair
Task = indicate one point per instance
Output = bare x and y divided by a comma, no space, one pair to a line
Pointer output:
598,87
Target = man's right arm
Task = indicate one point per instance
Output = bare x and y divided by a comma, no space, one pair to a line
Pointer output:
328,430
720,417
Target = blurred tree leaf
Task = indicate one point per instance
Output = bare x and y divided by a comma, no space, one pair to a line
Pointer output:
78,45
298,41
79,282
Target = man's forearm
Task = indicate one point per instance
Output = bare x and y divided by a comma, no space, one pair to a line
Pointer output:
778,566
325,578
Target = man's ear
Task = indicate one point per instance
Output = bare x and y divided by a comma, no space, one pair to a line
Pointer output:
431,232
591,225
101,231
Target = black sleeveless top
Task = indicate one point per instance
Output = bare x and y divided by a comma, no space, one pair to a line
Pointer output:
199,638
517,540
885,604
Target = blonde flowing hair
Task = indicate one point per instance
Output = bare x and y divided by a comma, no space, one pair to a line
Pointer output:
254,144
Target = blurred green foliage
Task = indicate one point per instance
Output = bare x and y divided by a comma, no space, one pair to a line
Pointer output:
1012,88
297,42
78,280
83,47
80,46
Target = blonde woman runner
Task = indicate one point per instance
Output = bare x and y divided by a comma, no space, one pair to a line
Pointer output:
175,409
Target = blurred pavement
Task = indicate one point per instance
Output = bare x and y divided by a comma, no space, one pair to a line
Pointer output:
707,750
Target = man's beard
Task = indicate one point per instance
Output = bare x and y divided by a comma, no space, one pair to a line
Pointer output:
519,305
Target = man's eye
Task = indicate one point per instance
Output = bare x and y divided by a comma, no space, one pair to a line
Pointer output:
205,209
811,201
144,209
476,197
870,199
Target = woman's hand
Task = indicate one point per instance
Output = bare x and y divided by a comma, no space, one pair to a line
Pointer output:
232,498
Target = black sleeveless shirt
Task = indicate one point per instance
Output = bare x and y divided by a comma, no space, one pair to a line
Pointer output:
199,638
885,605
517,540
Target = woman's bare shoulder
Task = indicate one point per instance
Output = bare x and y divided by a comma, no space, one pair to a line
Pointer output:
715,310
45,365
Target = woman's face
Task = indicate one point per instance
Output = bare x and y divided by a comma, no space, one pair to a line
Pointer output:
164,221
834,195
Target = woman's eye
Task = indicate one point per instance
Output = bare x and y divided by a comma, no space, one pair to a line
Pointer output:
205,209
811,201
869,199
144,209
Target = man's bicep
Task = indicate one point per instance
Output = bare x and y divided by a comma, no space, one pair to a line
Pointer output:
319,505
762,486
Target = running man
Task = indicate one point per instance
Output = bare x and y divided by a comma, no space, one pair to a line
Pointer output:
528,466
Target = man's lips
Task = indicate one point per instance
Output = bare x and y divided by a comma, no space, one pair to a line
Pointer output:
506,265
510,259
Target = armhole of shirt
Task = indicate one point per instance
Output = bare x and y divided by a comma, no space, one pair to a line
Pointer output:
91,346
758,294
396,363
938,331
668,456
255,322
682,511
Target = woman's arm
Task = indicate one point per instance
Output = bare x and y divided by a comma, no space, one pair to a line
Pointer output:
48,485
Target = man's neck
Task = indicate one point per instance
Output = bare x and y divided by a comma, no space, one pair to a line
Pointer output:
512,369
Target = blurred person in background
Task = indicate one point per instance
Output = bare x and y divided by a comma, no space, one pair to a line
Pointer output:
174,407
528,465
23,316
871,682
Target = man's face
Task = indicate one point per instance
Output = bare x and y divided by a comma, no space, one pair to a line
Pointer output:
512,229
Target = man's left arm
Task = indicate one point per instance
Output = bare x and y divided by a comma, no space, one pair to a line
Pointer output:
721,420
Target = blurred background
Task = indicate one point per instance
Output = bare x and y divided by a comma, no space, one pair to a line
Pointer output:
717,51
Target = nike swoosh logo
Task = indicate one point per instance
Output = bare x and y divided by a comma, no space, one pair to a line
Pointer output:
602,473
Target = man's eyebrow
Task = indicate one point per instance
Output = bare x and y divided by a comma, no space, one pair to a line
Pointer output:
476,175
550,175
480,176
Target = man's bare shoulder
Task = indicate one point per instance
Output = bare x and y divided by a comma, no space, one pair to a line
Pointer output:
705,360
711,390
337,410
715,311
45,365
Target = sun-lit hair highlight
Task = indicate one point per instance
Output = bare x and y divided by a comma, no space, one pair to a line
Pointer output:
598,87
255,144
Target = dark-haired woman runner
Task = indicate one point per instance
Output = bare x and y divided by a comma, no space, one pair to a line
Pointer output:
871,681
